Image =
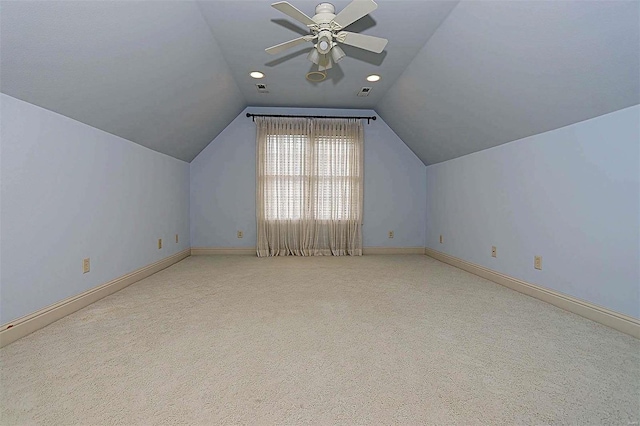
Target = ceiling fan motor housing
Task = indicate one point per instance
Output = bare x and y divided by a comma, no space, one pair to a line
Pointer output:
325,8
325,12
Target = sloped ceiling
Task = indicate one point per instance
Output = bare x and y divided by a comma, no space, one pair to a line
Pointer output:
150,72
498,71
456,77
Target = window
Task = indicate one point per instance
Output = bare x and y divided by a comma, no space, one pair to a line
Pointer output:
285,176
335,178
309,186
313,178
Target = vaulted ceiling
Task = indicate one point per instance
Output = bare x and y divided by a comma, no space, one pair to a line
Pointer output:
457,77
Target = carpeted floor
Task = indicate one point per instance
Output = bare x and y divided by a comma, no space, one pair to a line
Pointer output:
368,340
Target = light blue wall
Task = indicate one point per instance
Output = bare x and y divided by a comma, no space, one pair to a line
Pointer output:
223,185
570,195
71,191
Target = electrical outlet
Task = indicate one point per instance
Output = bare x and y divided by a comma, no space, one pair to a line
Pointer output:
440,239
86,265
493,251
177,238
159,243
390,234
240,234
537,262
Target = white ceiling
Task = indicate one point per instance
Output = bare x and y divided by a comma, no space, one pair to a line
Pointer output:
457,78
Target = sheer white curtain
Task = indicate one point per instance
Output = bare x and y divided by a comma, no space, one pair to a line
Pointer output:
309,186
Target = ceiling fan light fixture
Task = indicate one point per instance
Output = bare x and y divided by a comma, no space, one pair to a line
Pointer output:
256,74
337,53
325,41
373,78
314,56
325,63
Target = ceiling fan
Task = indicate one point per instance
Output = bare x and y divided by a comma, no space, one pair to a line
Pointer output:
327,31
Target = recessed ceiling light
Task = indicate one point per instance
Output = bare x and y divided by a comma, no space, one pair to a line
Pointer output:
256,74
316,76
373,77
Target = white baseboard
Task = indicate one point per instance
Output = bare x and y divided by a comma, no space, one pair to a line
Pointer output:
203,251
392,250
198,251
25,325
602,315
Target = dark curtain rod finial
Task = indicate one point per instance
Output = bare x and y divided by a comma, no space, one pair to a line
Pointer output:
253,116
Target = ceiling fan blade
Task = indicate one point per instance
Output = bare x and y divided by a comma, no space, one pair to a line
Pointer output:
293,12
373,44
354,11
273,50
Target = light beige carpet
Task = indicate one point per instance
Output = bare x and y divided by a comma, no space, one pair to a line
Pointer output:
368,340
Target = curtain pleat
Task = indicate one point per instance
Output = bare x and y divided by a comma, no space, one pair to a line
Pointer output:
309,186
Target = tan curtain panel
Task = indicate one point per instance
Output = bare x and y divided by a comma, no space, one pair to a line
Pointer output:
309,186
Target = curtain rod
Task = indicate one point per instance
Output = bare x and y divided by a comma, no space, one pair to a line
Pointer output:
373,117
